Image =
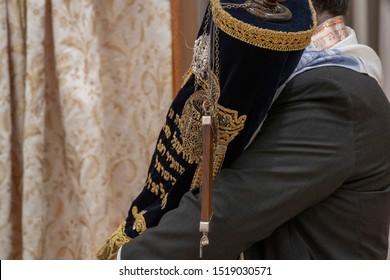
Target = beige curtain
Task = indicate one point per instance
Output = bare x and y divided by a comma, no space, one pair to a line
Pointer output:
84,87
371,21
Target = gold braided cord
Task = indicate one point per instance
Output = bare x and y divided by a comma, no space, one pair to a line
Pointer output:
260,37
118,238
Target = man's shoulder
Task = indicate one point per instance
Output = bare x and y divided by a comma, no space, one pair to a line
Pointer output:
335,74
355,95
339,81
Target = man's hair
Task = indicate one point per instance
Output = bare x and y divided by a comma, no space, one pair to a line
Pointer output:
333,7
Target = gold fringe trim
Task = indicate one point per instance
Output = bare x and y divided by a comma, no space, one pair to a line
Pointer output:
260,37
110,249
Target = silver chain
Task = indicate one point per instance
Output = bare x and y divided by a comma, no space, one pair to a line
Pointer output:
235,5
248,5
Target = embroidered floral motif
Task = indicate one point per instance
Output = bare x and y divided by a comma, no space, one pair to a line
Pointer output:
139,220
190,127
229,125
109,250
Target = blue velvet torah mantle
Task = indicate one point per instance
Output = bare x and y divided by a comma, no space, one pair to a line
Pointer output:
239,63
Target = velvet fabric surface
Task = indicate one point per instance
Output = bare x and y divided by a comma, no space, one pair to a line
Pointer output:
248,80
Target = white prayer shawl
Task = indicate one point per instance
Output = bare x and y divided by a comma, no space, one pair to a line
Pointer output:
335,44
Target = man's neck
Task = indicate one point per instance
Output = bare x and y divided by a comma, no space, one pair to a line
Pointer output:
322,17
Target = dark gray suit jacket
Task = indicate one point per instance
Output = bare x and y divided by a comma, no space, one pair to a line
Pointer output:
314,184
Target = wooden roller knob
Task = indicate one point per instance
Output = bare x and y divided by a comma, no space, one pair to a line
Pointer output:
269,10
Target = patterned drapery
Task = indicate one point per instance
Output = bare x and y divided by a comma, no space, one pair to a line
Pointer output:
84,87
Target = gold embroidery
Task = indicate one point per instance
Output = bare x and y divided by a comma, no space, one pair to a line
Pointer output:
148,181
139,224
196,180
157,189
186,77
177,120
171,114
190,127
204,84
167,131
161,147
176,144
219,157
109,250
174,164
164,173
164,201
229,124
201,102
264,38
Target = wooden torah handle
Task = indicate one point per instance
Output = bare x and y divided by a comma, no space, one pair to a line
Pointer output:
269,10
206,208
207,170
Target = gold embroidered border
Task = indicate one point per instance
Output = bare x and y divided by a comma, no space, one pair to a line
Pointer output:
190,127
197,179
229,124
110,249
260,37
187,75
